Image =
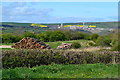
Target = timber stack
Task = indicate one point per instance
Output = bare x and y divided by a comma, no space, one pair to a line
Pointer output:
65,46
30,43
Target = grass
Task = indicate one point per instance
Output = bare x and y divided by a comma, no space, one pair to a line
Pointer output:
64,71
6,43
6,48
57,43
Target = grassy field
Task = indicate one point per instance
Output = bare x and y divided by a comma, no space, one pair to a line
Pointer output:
64,71
57,43
6,44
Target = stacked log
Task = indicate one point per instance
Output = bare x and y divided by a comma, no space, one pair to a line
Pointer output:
30,43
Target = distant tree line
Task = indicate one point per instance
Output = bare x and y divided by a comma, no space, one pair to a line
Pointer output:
49,36
62,35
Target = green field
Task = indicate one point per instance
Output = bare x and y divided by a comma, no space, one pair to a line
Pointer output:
64,71
57,43
6,43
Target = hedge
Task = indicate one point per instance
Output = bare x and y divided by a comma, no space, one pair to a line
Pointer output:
30,58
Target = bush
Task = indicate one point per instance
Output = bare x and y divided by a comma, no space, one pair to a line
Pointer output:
57,36
116,47
103,41
42,37
29,34
87,36
68,34
76,45
10,38
36,57
52,36
78,35
116,40
91,43
94,37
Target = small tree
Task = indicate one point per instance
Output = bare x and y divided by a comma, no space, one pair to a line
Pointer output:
86,36
76,45
57,36
94,37
29,34
42,37
103,41
10,38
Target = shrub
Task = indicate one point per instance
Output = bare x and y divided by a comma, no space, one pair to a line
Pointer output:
52,36
94,37
10,38
103,41
76,45
42,37
57,36
35,57
116,40
29,34
68,34
87,36
116,47
77,35
91,43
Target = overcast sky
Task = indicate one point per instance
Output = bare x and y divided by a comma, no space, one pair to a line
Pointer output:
59,12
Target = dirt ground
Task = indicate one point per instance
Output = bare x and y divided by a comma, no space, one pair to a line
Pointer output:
5,46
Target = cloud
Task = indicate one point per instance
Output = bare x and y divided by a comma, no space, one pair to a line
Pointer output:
23,12
20,12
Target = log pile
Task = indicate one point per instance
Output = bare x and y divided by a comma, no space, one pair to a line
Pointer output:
30,43
65,46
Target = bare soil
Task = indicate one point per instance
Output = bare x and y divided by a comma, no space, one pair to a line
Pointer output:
5,46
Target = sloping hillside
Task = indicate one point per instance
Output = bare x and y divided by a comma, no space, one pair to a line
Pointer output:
18,28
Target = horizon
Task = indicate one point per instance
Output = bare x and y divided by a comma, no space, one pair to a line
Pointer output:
59,12
63,23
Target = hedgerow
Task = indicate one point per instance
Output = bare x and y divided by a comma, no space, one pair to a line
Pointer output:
30,58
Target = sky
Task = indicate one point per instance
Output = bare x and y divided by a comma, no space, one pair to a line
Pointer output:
59,12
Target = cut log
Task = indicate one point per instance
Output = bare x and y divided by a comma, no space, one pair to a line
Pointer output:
30,43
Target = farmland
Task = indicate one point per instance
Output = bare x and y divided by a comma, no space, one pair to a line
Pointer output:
17,28
96,56
99,24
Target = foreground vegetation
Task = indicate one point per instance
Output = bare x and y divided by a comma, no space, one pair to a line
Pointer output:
36,57
64,71
73,63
